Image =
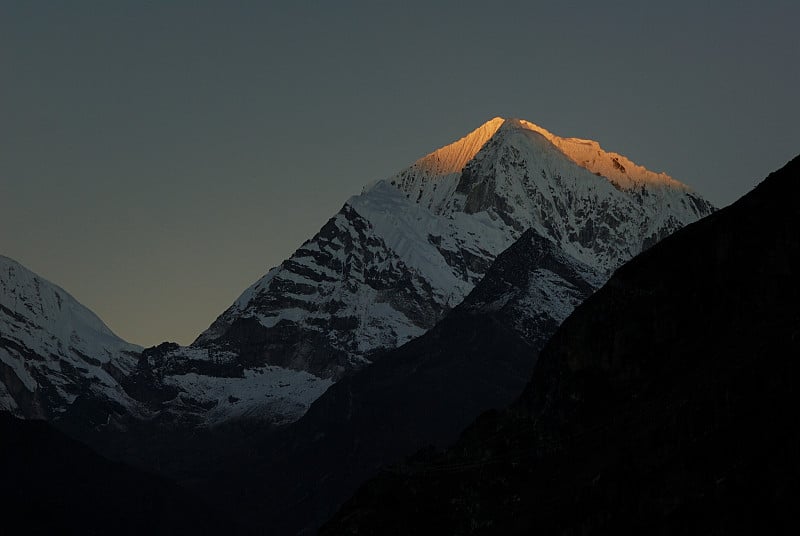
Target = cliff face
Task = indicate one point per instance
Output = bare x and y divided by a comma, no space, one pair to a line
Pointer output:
384,270
400,255
423,393
665,403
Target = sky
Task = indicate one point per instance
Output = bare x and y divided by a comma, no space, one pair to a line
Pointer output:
156,158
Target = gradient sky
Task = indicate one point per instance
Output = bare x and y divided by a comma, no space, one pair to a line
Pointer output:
156,158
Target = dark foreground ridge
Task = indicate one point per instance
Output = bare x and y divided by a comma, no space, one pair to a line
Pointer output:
423,393
54,485
665,404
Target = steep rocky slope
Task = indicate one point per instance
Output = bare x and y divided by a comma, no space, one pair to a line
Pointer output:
406,250
380,273
53,350
423,393
665,403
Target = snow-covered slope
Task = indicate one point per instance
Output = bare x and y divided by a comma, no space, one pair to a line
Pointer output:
384,270
202,387
53,349
406,250
599,206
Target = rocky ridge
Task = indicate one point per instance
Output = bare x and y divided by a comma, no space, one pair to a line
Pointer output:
408,249
380,273
663,404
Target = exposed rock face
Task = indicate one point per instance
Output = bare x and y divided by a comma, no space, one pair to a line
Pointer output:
479,356
400,255
664,404
381,272
317,285
445,279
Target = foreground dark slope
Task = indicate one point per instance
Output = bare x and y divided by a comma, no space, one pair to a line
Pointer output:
425,392
665,404
54,485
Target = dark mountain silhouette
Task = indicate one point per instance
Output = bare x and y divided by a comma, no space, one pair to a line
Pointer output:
424,393
52,484
381,272
666,403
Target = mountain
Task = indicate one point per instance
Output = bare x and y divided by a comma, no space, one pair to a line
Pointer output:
423,393
54,351
400,255
666,403
445,279
55,485
380,273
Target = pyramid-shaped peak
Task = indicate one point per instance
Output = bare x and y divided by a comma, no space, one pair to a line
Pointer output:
584,152
453,157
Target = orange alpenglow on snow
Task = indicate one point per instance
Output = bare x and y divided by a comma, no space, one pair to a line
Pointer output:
452,158
589,155
586,153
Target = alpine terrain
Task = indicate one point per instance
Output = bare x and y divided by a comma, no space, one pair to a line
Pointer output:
481,353
665,404
405,251
54,351
381,272
425,301
479,356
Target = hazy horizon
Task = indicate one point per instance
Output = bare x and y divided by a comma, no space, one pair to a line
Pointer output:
157,159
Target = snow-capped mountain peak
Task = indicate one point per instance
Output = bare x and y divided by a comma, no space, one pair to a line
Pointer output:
406,250
32,299
434,180
382,271
52,348
453,157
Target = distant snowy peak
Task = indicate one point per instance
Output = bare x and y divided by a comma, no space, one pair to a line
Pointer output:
433,179
52,348
435,175
34,301
599,206
400,255
452,158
